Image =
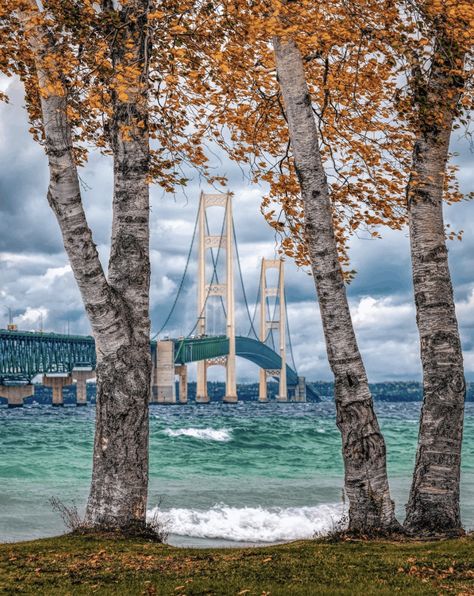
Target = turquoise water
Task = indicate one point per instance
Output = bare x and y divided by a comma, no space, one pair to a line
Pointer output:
245,473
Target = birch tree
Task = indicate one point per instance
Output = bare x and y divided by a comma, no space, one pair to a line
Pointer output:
440,59
101,76
363,446
117,305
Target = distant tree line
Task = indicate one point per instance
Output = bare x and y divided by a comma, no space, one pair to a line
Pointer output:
390,391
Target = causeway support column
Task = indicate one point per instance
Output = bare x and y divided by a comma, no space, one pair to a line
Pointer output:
15,394
262,387
182,371
202,397
81,376
165,372
57,382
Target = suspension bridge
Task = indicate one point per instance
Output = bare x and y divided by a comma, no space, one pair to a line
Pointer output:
212,341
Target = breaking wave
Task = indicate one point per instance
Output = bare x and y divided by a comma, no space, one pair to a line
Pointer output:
207,434
252,524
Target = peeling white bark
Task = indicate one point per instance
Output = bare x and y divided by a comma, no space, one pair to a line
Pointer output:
120,472
433,506
117,308
366,484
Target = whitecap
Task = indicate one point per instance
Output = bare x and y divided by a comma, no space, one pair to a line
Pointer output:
252,524
208,434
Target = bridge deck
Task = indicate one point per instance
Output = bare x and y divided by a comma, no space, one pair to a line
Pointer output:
202,348
23,354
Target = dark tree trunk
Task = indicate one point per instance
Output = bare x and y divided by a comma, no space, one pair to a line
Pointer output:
363,447
433,506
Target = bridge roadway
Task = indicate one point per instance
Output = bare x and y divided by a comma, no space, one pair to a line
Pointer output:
24,354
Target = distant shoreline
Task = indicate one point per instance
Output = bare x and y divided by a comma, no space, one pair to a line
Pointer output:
389,391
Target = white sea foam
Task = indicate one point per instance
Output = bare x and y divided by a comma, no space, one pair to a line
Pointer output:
207,434
252,524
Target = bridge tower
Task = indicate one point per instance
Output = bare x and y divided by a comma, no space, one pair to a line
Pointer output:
225,290
266,326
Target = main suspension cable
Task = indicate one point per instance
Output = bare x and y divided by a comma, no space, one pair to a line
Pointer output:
181,284
289,335
252,322
252,328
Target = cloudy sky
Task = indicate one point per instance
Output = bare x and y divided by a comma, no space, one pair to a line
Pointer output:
37,284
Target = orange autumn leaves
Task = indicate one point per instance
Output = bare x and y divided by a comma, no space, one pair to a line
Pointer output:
358,78
82,63
211,80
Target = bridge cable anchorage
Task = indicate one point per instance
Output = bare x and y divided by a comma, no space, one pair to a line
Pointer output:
289,334
181,284
214,276
252,328
214,263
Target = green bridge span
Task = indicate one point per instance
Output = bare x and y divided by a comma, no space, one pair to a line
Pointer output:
204,348
23,354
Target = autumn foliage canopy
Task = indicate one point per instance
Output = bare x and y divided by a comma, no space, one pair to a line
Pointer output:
211,82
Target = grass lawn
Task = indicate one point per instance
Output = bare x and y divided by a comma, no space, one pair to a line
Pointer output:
86,565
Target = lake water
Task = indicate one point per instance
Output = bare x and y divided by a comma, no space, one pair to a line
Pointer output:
222,474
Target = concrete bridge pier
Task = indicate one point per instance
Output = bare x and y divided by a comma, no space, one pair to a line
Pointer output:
154,380
57,382
300,390
15,394
81,376
182,372
165,370
202,396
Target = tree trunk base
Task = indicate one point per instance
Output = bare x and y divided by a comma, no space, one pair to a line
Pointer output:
434,517
132,532
429,535
430,529
393,531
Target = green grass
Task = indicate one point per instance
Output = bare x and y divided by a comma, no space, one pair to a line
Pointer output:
86,565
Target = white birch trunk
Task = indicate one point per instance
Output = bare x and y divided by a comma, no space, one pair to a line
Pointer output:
363,447
433,506
117,309
120,471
